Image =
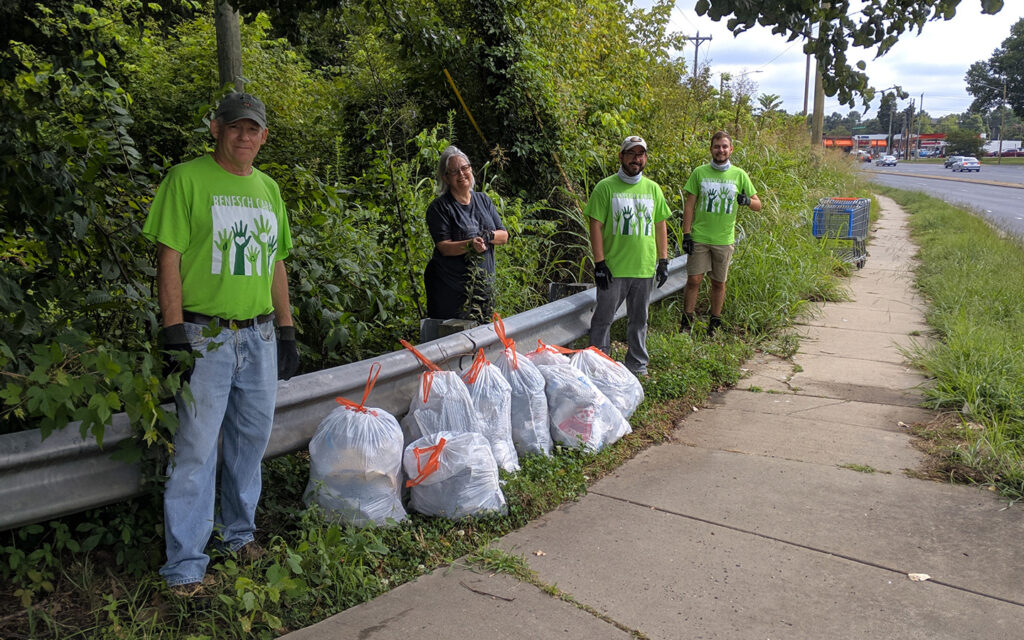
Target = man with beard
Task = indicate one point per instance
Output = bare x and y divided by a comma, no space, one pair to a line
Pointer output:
713,195
628,234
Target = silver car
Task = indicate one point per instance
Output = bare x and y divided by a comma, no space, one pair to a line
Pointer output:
886,161
967,164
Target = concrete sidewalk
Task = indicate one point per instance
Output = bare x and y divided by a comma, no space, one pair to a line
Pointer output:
754,523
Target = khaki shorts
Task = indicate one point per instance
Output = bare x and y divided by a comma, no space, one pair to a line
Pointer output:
710,257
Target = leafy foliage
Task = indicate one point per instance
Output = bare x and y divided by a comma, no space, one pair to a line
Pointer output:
831,27
1000,79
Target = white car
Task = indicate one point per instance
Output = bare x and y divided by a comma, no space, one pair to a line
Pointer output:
886,161
967,164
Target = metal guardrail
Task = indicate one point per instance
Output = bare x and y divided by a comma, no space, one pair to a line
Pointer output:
66,473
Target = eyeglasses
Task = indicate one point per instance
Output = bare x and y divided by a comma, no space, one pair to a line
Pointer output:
463,169
635,154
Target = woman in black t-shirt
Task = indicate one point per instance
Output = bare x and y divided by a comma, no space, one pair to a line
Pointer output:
465,226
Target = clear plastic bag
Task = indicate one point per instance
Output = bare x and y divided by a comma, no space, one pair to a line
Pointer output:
442,403
356,463
580,415
453,475
612,378
530,431
492,397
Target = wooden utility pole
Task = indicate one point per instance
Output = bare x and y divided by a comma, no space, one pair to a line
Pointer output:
229,45
697,39
818,118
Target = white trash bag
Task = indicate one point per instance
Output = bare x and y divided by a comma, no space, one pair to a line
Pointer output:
612,378
442,403
355,465
492,397
580,414
530,431
453,475
547,354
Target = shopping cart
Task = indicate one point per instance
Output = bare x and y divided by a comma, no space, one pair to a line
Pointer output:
844,221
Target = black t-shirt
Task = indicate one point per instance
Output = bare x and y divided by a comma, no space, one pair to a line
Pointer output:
447,278
448,219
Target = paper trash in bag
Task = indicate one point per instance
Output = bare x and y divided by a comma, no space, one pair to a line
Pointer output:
356,463
442,403
530,431
492,397
580,414
453,475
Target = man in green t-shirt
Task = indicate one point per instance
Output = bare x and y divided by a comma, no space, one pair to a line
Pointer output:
713,194
628,234
221,235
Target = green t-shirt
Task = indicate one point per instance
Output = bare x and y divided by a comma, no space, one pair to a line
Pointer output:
714,216
230,231
628,213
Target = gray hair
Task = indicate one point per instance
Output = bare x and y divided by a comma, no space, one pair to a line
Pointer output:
442,168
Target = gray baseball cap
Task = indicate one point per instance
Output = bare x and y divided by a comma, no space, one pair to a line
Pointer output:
633,141
236,106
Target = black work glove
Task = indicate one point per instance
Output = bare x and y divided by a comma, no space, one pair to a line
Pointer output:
662,273
743,199
687,244
173,341
287,353
602,275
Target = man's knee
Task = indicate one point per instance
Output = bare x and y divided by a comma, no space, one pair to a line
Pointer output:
694,280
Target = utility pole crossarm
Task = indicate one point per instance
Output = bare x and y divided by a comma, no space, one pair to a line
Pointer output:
697,39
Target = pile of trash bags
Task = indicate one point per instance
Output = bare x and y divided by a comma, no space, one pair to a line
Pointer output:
460,430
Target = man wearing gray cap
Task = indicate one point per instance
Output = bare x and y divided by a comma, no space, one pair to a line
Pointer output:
222,235
628,235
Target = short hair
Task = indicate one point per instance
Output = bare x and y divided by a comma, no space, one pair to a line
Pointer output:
721,133
442,168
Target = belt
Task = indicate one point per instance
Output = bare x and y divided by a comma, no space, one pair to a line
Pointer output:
199,318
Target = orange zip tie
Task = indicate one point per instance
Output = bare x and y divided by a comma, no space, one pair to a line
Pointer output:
424,471
370,381
515,355
479,362
554,348
603,355
422,358
499,328
427,378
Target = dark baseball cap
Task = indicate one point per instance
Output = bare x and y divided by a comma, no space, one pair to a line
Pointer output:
236,106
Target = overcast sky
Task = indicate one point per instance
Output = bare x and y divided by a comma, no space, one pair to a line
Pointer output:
933,63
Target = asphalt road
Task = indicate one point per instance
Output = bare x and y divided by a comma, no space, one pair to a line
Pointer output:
1000,203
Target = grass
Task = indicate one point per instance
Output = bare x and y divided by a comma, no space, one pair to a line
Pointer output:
973,278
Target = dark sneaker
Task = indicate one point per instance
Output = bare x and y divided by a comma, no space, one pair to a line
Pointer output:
714,324
687,322
250,552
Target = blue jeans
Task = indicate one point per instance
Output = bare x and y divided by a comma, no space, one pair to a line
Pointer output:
234,388
637,294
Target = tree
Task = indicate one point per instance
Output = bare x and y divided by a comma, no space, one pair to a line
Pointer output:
886,109
867,24
963,143
1001,76
769,102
